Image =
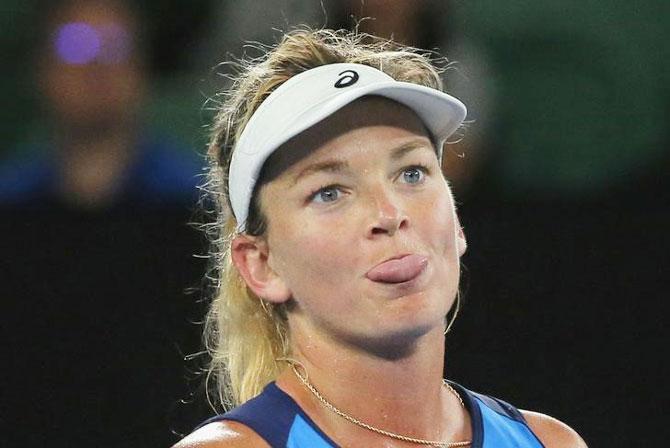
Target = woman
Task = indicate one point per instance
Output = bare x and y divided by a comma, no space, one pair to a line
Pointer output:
339,258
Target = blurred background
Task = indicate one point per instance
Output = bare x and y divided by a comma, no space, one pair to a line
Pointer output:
561,179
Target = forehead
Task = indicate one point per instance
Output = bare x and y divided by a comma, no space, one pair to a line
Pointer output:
366,112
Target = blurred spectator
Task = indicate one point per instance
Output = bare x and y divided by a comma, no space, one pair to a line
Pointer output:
98,153
97,252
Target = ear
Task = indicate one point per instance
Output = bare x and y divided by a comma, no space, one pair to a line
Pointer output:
250,257
460,238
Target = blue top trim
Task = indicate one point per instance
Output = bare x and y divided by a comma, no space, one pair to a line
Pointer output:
278,419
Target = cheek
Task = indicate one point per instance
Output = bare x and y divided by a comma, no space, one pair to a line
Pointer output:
316,262
437,222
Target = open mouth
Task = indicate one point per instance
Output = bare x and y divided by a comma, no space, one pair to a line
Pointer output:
398,270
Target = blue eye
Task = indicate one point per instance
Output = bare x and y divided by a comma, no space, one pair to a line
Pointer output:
326,194
413,174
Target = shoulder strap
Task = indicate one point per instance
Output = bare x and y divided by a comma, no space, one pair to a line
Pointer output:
270,415
501,407
496,423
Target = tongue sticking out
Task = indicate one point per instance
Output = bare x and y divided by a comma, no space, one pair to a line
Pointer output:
399,270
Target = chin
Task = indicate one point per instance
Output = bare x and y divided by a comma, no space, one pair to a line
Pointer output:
415,318
397,343
427,305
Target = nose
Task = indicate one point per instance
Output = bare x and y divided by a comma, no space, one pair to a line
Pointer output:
388,216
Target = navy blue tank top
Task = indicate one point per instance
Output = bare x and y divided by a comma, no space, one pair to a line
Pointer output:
278,419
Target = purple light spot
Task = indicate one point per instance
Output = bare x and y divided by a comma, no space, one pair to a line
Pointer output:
77,43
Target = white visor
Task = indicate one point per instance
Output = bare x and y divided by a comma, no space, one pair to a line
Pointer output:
310,97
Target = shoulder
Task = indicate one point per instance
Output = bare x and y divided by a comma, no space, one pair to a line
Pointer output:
24,175
164,169
169,157
222,434
552,432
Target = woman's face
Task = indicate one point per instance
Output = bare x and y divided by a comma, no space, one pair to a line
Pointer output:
362,229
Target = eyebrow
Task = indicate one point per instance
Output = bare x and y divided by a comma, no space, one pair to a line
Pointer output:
330,166
337,166
406,148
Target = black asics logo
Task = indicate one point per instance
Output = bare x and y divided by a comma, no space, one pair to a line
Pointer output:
350,77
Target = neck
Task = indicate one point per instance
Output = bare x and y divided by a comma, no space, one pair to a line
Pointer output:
91,165
353,381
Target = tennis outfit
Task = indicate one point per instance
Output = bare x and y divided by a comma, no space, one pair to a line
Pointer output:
278,419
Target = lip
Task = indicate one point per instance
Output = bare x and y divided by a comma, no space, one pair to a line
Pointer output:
401,268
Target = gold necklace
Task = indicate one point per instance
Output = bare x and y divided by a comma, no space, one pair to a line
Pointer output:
355,421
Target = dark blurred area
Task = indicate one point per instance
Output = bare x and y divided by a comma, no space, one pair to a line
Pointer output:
561,180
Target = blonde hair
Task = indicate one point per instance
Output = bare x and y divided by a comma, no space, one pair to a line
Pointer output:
245,336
